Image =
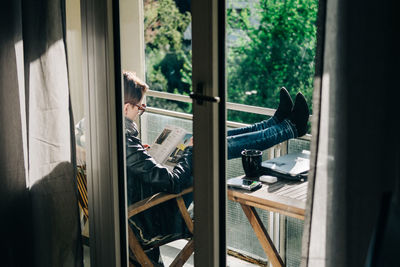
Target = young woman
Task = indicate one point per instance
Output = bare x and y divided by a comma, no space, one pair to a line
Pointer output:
145,177
162,223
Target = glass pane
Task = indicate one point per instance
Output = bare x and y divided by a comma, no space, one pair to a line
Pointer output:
168,51
270,45
156,56
74,48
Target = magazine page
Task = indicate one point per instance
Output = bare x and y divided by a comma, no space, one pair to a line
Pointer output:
166,142
177,152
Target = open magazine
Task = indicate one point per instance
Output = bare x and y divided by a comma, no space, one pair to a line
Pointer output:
168,147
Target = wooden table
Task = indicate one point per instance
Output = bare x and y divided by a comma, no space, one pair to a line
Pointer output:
285,197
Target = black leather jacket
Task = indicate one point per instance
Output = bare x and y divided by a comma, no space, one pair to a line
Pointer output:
145,177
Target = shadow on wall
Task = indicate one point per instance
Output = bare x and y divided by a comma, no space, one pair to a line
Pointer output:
55,222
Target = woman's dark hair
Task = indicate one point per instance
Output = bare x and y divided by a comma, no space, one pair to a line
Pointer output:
134,88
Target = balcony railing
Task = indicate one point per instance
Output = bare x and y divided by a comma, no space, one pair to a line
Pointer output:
229,106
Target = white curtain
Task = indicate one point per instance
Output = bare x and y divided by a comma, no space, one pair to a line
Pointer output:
38,197
355,142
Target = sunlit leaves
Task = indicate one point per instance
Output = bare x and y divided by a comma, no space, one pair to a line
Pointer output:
278,51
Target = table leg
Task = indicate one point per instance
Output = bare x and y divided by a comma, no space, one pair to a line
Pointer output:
263,236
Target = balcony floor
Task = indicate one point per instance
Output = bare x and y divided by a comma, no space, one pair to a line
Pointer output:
169,252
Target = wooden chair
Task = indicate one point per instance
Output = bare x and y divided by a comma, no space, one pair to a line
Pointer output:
133,210
152,201
83,201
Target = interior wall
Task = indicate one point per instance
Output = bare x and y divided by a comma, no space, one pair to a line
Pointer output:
132,41
132,38
74,52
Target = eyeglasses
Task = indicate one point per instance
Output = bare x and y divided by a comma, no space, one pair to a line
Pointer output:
141,108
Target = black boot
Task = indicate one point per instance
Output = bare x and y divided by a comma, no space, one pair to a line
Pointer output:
300,114
285,105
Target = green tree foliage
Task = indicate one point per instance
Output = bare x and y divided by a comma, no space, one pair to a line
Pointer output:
164,25
270,45
166,51
276,51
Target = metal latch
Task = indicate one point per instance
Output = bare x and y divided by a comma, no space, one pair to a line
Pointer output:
199,97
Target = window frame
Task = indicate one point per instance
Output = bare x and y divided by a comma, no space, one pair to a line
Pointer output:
99,52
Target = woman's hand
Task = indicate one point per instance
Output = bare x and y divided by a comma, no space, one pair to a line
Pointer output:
191,141
146,146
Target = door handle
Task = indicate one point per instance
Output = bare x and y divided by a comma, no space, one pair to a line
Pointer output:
199,97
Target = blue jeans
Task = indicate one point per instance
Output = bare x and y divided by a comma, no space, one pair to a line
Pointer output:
261,136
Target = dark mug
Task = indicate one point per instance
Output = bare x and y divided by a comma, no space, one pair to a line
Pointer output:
251,161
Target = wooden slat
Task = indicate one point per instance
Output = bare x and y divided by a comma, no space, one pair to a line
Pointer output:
263,237
152,201
183,255
137,250
287,211
302,197
185,213
247,258
82,189
298,193
285,189
295,191
269,201
290,189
